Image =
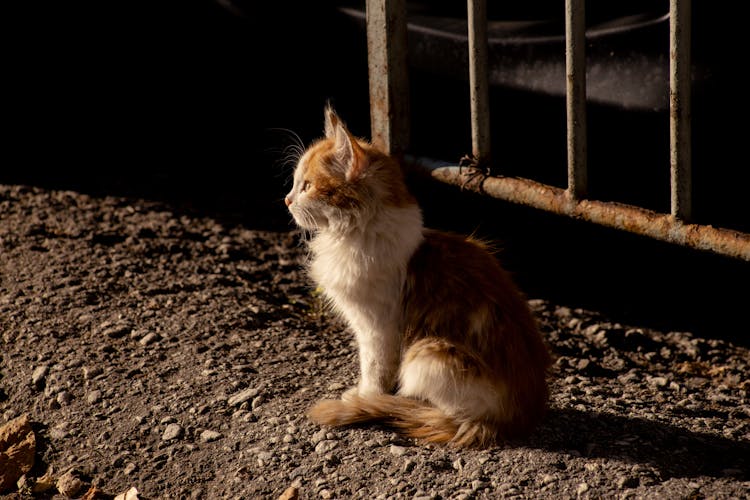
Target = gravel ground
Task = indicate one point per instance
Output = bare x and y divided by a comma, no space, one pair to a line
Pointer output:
177,353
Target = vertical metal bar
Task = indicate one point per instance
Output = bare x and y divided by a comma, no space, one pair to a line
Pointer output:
679,109
388,75
575,72
479,78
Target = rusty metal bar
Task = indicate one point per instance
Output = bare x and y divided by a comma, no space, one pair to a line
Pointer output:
479,78
679,109
575,72
616,215
388,76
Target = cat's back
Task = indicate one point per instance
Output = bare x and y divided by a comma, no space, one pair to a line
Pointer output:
449,264
456,288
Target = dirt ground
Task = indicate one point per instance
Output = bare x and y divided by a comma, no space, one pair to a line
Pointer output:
174,352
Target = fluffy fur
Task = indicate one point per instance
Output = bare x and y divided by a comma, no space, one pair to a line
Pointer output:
448,349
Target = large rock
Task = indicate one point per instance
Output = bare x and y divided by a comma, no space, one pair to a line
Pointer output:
17,448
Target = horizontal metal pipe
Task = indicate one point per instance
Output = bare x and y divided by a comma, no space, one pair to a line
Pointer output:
636,220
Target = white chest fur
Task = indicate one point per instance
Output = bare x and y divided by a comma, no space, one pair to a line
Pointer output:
365,267
362,273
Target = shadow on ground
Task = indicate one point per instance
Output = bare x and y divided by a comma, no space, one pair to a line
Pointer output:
673,451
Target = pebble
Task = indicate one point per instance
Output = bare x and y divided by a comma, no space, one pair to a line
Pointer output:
173,431
582,488
242,396
59,431
69,484
94,397
548,478
459,464
39,374
627,482
264,457
130,467
149,338
115,331
291,493
408,465
64,397
325,446
657,381
318,436
398,451
90,372
208,436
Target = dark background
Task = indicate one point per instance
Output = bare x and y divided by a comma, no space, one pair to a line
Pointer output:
193,103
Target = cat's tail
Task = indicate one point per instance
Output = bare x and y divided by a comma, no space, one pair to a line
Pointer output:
416,419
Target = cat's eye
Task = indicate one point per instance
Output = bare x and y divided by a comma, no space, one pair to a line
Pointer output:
304,187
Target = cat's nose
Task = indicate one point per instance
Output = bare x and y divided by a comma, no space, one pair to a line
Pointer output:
287,200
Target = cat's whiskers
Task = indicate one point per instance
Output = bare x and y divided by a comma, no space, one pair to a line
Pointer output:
289,154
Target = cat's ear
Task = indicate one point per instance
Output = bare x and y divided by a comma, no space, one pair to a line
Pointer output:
331,120
348,152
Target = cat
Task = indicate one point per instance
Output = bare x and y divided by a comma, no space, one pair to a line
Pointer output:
449,351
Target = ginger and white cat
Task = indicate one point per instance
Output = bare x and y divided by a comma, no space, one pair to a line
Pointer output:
448,349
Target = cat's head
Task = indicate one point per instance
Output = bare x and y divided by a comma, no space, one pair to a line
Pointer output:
341,181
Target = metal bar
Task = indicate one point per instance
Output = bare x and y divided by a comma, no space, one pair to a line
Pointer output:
575,72
616,215
479,78
388,75
679,109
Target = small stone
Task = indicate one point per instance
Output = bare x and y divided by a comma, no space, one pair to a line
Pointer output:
94,397
459,464
242,396
291,493
257,402
658,381
264,457
89,372
116,331
478,484
398,451
44,483
325,446
318,436
582,488
173,431
288,438
59,431
627,482
64,398
69,484
130,467
208,436
38,375
325,493
408,466
149,338
548,478
131,494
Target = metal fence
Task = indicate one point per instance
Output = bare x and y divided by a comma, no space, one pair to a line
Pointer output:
386,38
